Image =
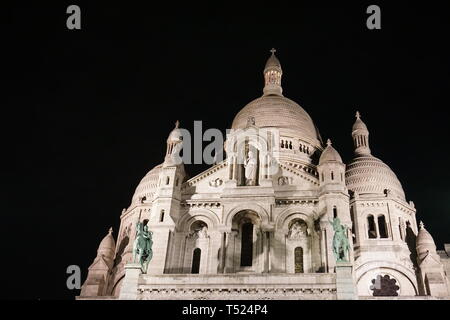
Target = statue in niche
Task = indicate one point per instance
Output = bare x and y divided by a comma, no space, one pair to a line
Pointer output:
251,166
340,240
298,230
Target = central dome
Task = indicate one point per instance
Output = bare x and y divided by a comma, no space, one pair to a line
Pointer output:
273,110
277,112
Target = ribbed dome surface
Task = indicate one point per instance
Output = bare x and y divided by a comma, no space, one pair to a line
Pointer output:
368,174
279,112
148,185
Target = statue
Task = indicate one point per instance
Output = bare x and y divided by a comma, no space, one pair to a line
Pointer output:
142,246
340,240
251,165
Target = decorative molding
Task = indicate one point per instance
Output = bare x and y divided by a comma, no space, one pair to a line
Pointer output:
223,293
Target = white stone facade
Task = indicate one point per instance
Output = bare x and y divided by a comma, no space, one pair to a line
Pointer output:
223,235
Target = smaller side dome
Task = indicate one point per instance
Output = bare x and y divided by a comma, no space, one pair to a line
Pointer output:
107,246
424,243
330,154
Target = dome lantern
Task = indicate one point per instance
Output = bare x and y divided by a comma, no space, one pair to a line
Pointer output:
272,76
360,135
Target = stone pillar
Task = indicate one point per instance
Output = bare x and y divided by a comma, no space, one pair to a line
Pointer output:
345,284
230,248
129,290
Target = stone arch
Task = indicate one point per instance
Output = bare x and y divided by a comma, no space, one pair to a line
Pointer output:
251,207
245,246
115,291
207,216
406,279
284,218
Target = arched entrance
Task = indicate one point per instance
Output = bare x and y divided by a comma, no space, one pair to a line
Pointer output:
246,248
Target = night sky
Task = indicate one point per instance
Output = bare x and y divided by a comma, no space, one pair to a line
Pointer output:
86,114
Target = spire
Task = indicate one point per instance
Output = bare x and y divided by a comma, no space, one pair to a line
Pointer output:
177,124
328,142
360,135
272,75
421,225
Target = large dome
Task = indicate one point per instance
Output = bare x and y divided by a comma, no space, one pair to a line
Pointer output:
278,112
370,175
147,186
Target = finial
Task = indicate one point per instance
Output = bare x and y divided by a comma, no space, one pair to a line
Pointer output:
358,115
110,230
421,224
328,142
273,50
177,124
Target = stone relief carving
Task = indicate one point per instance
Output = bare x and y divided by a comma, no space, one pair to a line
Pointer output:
216,182
298,230
199,233
282,181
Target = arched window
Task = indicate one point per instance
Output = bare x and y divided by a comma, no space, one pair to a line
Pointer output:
382,227
167,180
334,212
161,216
322,177
298,260
372,231
196,260
247,245
176,182
332,175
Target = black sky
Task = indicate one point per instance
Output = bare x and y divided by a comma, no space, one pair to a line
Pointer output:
86,113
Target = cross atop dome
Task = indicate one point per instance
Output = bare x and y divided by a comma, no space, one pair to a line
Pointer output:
358,115
273,50
422,225
328,142
177,124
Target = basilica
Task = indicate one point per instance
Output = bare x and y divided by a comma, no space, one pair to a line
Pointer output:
259,224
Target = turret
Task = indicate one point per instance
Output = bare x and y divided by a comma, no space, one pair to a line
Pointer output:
331,170
432,273
97,279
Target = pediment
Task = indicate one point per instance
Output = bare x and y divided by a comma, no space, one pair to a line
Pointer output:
211,180
292,176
